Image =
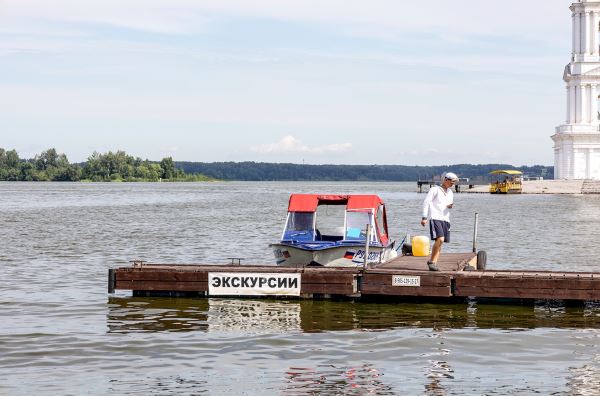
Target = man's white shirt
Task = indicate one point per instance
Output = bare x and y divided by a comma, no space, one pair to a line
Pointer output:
436,203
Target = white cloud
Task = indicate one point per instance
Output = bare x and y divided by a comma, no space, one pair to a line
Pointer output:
291,145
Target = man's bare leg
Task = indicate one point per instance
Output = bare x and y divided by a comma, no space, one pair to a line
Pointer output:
436,249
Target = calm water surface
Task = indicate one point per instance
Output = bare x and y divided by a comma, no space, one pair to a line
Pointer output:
61,334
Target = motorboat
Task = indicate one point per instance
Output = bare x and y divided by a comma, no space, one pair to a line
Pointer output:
331,230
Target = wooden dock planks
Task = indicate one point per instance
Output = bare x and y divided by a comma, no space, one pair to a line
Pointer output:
404,276
431,285
528,285
446,262
332,282
161,279
194,278
378,280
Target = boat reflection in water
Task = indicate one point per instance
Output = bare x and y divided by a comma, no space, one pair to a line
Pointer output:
333,379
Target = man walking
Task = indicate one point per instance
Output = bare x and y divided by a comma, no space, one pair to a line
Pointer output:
436,208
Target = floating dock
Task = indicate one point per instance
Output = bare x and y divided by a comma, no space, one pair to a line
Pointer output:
405,276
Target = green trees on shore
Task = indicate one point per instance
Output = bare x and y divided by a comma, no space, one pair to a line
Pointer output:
117,166
264,171
47,166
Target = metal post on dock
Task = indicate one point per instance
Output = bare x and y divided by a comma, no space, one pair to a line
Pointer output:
365,263
235,260
475,232
137,263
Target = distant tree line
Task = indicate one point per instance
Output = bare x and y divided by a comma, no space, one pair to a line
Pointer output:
117,166
263,171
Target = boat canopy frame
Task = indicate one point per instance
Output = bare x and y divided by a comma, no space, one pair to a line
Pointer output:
512,172
371,204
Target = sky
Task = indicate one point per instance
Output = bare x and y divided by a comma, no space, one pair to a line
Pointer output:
401,82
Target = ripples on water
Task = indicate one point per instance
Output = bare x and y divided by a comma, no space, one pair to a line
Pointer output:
61,334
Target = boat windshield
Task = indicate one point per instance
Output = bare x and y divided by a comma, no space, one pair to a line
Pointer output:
299,226
356,225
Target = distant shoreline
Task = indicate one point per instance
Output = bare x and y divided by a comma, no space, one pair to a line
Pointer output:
120,166
565,187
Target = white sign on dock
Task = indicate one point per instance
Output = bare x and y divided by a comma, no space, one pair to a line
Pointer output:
253,284
402,280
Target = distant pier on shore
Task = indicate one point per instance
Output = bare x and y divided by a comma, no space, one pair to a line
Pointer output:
458,187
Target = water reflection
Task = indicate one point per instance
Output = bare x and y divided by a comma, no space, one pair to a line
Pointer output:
146,314
218,315
252,316
331,379
156,314
438,368
164,385
585,380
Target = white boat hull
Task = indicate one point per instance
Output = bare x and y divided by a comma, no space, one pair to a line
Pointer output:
335,256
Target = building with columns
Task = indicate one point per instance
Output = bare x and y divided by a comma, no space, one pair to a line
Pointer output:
577,141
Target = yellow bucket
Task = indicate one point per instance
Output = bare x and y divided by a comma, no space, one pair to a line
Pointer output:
420,246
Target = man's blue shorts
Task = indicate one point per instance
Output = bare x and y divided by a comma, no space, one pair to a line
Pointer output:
439,228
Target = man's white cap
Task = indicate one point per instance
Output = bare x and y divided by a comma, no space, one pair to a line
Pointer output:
451,176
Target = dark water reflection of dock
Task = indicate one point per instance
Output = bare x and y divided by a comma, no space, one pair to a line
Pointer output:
163,314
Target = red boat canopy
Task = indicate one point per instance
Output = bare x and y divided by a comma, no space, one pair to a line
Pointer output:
309,202
364,202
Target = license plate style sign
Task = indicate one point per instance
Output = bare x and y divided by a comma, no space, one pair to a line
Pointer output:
253,284
402,280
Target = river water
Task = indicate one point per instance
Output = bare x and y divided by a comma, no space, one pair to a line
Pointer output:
62,334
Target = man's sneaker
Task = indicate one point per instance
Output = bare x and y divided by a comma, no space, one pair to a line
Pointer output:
432,266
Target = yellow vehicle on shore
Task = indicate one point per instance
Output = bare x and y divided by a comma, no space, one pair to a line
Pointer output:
506,182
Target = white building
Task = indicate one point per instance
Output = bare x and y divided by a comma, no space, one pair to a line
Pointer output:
577,141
